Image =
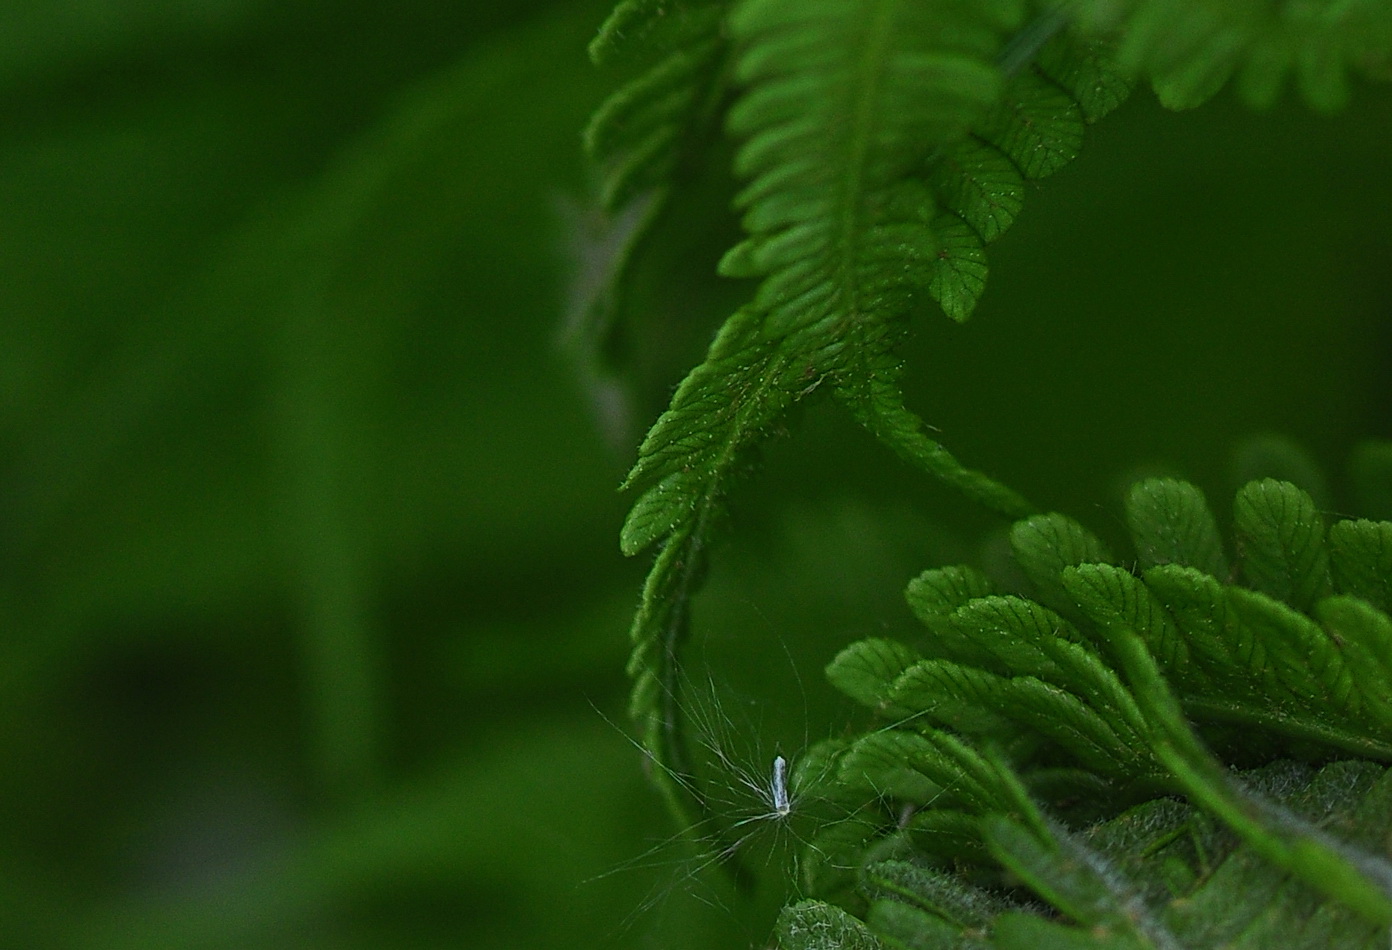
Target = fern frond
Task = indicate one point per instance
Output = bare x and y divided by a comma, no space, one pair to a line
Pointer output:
1355,878
1098,738
1191,48
832,217
646,142
931,766
908,901
842,101
1046,544
1365,633
1080,882
1236,654
1036,128
637,136
1007,671
1158,877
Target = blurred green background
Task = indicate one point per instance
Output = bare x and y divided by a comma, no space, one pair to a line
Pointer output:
312,620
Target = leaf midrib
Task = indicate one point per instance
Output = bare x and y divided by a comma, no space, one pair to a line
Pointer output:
869,78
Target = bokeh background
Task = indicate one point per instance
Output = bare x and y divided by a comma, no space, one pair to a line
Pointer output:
312,619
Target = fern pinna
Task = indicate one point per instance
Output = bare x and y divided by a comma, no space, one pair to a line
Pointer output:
880,146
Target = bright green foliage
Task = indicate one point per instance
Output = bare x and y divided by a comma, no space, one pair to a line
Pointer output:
1044,545
863,673
1035,129
1116,697
1361,557
879,146
1171,524
829,234
1160,875
843,101
1281,539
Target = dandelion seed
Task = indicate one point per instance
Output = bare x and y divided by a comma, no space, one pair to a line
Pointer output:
779,788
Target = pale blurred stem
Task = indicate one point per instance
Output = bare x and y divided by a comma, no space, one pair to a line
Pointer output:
324,533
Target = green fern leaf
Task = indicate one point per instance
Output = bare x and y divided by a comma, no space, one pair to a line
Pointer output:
636,134
1046,544
1038,126
903,925
637,28
641,141
1219,650
955,695
867,669
1355,879
1170,523
948,771
943,896
1034,130
1361,560
938,592
842,98
721,410
1028,932
949,694
1012,634
1255,661
1078,881
1278,857
698,446
1163,875
873,398
1301,658
980,185
881,765
1087,71
831,216
1114,599
948,835
1364,634
1280,539
957,274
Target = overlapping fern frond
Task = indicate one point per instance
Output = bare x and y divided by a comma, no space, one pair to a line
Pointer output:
880,146
842,103
1093,692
